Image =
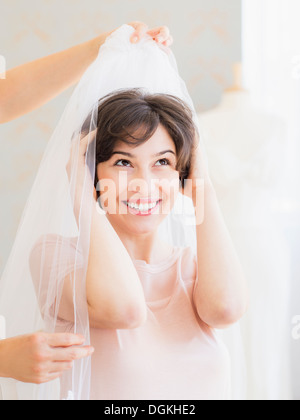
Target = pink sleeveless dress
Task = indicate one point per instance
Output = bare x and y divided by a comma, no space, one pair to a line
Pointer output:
173,356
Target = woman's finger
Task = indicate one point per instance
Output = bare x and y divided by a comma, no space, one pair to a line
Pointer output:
86,141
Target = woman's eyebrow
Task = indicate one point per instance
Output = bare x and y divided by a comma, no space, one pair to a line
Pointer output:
133,156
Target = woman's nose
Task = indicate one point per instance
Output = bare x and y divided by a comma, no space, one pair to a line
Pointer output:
143,183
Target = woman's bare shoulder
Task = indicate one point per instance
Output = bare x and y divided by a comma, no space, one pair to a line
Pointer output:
49,244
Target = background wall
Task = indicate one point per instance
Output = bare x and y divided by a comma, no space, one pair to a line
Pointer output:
207,41
271,59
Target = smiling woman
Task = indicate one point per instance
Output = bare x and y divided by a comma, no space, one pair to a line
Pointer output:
131,120
131,117
127,280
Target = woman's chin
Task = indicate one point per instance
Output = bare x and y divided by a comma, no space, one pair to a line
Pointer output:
136,224
140,225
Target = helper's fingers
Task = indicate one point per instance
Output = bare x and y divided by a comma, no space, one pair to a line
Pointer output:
50,377
72,353
160,34
64,340
59,367
169,41
140,31
55,371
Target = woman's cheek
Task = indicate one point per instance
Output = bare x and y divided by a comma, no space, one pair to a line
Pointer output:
108,189
116,186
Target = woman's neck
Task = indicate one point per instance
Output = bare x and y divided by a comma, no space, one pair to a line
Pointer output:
143,247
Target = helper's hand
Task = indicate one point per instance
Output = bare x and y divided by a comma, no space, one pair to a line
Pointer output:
41,357
160,34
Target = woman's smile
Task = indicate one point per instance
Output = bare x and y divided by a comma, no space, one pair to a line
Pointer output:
139,208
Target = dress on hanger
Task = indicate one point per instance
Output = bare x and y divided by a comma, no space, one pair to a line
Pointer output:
245,149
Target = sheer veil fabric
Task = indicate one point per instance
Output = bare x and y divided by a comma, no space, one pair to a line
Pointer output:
50,212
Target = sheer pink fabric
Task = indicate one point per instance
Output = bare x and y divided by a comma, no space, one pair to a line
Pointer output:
174,355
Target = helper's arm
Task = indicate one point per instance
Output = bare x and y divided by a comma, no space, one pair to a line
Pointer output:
29,86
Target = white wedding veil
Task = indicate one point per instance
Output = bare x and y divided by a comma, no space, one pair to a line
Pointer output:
32,284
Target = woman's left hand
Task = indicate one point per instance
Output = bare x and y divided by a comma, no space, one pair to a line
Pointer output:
79,167
160,34
199,175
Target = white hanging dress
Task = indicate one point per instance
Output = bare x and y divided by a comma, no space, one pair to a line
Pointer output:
245,150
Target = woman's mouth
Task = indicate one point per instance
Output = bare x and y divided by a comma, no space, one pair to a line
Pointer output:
140,209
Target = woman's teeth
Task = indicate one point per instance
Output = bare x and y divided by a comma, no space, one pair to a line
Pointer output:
142,207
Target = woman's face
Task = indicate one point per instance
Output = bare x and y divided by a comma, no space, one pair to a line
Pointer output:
139,185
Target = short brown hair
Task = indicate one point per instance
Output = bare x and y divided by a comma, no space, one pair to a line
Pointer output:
133,116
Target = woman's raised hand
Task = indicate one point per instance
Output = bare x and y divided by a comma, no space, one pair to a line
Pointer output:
199,175
77,164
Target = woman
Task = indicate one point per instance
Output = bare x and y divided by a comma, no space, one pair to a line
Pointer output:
41,357
146,301
154,342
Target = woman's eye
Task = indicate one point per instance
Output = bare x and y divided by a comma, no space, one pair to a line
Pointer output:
166,162
119,162
126,163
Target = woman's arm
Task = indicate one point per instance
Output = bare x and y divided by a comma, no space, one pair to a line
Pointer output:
31,85
114,292
221,293
115,295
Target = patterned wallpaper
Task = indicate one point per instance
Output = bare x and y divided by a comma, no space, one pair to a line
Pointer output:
207,42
